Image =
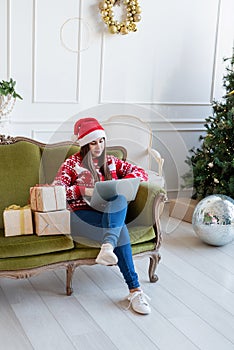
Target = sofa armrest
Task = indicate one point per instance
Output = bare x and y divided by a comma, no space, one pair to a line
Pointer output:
145,209
158,158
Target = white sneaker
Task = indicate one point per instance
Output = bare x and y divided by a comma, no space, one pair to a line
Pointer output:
106,255
139,303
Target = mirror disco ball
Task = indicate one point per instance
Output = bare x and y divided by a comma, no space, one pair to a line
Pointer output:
213,219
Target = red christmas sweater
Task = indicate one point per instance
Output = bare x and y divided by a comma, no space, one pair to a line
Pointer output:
75,178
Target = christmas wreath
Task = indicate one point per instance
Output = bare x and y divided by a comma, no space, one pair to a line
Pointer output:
131,16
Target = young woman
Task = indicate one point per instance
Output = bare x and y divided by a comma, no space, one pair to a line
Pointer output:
107,225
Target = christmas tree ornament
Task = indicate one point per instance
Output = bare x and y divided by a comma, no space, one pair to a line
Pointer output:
213,220
131,14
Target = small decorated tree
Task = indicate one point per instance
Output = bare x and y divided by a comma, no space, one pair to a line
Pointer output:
8,96
212,164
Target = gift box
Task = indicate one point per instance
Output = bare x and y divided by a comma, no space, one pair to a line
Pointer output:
182,208
17,220
47,198
52,223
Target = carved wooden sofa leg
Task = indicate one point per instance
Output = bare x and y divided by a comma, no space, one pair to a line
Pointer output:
154,260
70,271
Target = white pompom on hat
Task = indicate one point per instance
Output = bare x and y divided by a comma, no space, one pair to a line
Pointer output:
87,130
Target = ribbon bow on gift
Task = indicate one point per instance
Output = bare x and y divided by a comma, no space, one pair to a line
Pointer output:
17,207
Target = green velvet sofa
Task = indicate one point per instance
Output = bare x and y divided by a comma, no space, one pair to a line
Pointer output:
25,162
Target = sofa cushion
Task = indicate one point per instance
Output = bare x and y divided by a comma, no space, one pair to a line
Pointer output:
140,210
19,170
117,151
53,157
29,262
137,234
20,246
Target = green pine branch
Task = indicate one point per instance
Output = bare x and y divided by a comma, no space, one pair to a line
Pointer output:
8,88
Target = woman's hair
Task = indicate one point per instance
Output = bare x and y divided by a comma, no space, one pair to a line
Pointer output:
87,162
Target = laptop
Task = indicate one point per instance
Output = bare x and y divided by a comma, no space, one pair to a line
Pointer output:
104,190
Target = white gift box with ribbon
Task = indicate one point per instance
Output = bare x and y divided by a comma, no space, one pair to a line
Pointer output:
47,198
17,220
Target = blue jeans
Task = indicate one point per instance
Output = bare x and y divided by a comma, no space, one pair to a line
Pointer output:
93,227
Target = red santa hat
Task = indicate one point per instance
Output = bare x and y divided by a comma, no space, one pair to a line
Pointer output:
87,130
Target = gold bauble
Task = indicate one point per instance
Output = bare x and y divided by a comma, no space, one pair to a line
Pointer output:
106,19
133,27
124,30
104,13
113,29
138,9
137,18
102,6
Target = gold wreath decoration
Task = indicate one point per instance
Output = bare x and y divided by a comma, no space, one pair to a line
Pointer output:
132,15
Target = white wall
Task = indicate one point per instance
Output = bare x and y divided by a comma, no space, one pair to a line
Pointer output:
66,63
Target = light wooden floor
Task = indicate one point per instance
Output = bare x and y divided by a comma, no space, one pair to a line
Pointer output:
192,303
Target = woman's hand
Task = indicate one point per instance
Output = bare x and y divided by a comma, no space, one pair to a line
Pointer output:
88,192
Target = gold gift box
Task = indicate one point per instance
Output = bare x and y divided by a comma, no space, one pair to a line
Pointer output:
182,208
17,221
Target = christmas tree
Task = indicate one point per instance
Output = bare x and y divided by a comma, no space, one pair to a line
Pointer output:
212,164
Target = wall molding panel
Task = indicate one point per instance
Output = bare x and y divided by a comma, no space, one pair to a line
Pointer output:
56,70
5,39
153,75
